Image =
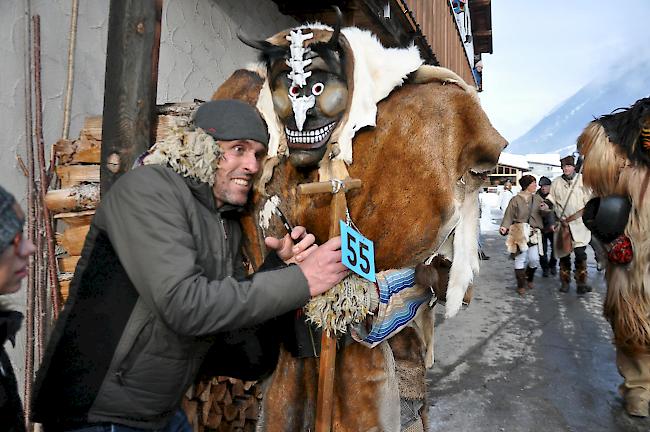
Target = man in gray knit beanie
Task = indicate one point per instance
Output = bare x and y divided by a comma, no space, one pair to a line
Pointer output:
14,257
14,249
161,287
10,224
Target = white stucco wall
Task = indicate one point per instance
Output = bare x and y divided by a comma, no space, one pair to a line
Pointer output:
199,49
199,46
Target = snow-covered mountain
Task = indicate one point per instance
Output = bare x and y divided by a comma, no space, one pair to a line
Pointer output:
619,87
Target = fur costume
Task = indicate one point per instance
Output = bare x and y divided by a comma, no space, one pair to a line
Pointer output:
398,114
616,148
616,163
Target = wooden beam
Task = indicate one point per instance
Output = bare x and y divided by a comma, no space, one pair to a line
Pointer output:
397,26
131,85
482,33
475,4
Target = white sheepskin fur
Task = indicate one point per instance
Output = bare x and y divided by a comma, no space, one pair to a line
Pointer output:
314,26
377,71
465,262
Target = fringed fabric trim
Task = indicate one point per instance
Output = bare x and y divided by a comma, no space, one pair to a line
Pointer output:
347,303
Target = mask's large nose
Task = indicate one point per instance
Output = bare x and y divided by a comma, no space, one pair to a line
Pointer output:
301,105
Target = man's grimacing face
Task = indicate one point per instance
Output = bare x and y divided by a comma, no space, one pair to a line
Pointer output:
239,163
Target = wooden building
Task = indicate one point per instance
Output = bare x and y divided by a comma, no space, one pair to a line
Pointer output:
510,167
433,25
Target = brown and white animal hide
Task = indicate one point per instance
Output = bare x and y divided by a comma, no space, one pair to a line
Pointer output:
407,206
517,240
365,387
420,167
608,170
464,256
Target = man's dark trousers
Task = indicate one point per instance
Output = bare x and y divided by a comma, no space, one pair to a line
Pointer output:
548,260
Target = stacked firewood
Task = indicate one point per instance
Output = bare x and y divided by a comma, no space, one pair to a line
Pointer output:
75,202
223,404
217,404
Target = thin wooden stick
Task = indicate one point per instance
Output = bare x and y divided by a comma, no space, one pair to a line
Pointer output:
41,291
51,259
31,212
69,81
22,166
327,365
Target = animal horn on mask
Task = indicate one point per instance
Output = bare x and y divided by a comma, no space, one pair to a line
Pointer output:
266,47
334,40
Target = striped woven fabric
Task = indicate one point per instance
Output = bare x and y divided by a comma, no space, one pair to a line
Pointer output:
399,301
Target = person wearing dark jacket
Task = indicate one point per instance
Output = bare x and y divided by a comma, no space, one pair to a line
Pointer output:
14,257
547,259
161,281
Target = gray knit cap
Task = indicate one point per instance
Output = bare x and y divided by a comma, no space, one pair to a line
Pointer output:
10,225
230,120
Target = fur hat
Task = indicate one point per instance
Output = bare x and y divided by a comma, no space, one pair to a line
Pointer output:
10,225
544,181
526,180
568,160
230,120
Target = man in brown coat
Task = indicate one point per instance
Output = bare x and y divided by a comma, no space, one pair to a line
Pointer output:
523,221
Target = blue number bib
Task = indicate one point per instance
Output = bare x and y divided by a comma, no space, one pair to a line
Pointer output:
358,253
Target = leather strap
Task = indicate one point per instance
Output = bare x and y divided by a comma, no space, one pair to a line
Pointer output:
575,215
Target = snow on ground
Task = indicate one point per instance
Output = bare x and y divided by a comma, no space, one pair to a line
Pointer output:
491,215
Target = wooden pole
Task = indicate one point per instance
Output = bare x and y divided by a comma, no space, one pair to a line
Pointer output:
327,364
131,85
30,308
72,35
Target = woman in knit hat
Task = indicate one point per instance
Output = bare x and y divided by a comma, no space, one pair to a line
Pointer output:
14,257
522,222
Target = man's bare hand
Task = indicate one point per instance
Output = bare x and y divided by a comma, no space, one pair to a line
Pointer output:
503,230
293,248
322,267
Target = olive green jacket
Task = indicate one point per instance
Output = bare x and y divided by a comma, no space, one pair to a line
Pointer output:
160,277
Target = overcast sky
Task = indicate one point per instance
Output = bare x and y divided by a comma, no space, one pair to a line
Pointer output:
545,51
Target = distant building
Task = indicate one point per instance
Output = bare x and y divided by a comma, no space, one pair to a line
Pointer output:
510,167
547,165
513,166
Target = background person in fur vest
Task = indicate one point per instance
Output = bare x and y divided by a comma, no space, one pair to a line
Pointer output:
568,204
14,256
523,221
